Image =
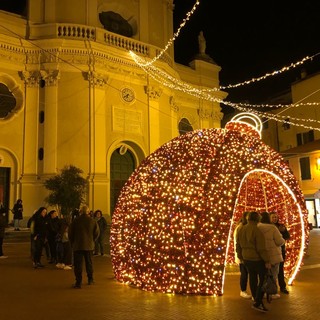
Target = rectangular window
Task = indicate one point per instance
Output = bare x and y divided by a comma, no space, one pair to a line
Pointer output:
305,137
305,168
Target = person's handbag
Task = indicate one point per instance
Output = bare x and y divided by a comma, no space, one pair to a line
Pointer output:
269,286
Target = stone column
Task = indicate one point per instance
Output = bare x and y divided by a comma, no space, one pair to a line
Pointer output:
205,114
31,124
29,182
50,132
98,183
174,109
154,93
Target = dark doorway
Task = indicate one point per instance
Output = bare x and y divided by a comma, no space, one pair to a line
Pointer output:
122,165
5,188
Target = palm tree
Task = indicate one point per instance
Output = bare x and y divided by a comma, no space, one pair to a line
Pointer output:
67,190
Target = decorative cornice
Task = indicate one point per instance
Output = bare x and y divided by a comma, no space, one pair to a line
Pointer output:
50,55
12,53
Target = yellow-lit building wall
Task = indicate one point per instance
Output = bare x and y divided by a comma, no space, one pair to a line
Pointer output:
70,77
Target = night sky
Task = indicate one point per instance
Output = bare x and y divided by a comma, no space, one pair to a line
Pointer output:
248,39
14,6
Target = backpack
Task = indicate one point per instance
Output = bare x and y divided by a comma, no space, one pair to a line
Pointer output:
269,286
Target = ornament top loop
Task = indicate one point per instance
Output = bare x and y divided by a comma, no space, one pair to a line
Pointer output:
249,121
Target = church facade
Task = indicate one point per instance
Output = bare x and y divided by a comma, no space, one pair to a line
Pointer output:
71,94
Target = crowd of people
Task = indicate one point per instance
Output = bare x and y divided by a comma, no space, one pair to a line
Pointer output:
259,241
260,248
66,243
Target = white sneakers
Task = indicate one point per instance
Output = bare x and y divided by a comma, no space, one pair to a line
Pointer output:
67,268
63,266
3,257
245,295
275,296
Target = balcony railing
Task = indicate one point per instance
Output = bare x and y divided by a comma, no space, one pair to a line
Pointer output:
81,32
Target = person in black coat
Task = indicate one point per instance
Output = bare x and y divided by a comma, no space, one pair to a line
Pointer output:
39,232
83,233
102,223
286,236
3,224
17,214
53,224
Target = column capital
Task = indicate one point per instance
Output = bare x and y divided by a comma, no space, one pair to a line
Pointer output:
174,106
51,77
204,113
31,78
96,79
154,93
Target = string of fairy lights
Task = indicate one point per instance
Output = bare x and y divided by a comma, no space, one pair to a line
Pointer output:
171,82
147,66
175,36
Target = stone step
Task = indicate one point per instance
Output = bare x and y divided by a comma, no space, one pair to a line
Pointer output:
17,236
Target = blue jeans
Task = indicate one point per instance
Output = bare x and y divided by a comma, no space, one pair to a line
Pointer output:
257,271
16,223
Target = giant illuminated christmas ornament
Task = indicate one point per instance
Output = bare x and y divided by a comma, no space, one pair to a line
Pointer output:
173,224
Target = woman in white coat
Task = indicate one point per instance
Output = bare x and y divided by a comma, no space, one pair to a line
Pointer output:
274,241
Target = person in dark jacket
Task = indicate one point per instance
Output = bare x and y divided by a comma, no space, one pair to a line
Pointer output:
3,224
64,250
17,214
39,232
53,229
286,236
83,233
102,223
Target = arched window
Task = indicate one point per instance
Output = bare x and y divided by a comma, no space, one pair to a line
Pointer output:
184,126
7,101
114,22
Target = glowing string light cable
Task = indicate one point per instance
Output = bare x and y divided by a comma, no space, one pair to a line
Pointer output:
173,83
278,106
274,73
175,35
202,95
187,88
276,118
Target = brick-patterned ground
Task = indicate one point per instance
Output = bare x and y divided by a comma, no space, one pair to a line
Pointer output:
47,294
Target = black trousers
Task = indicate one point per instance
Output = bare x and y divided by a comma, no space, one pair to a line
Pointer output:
78,257
38,246
257,271
1,242
243,277
281,280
